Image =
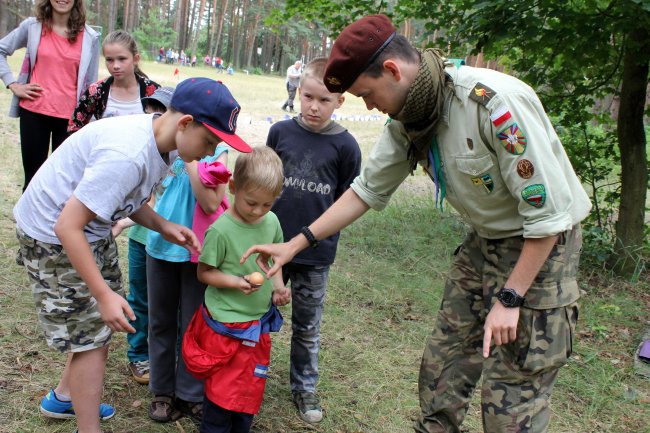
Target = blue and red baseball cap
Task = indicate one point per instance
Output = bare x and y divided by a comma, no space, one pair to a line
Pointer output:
211,103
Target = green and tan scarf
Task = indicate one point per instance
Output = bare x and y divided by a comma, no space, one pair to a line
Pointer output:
424,104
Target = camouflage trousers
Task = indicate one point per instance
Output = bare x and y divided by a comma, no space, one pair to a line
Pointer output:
518,377
67,311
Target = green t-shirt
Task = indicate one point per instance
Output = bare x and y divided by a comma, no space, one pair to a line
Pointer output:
225,242
139,234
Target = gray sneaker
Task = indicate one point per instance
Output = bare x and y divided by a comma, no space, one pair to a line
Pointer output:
308,406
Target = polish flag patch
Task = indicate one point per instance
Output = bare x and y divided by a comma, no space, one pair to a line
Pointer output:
500,115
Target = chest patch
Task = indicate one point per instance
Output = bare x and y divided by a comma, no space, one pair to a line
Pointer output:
534,195
485,181
513,139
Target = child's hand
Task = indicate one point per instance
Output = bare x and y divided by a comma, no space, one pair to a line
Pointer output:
281,296
246,287
181,235
112,308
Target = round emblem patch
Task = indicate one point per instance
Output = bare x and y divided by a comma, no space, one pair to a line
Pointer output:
534,195
525,169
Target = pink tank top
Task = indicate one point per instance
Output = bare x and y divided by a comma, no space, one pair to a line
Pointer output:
56,71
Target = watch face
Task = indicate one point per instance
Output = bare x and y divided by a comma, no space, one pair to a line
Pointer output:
509,298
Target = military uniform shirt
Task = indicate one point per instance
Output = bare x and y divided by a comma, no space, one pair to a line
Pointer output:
504,167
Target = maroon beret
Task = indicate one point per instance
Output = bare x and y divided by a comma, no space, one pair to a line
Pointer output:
356,47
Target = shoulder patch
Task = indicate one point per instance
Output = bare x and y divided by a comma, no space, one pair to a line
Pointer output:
500,115
534,195
513,139
525,169
481,94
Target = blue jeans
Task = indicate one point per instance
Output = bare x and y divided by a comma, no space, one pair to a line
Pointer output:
137,298
308,285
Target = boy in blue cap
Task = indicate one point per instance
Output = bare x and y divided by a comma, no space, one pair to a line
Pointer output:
99,175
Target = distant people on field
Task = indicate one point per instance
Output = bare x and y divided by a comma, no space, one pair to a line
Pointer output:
122,92
292,82
46,92
161,54
230,70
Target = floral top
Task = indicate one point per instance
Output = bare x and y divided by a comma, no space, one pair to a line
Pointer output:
93,101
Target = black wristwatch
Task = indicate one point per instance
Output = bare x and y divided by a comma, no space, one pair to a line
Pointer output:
510,298
313,242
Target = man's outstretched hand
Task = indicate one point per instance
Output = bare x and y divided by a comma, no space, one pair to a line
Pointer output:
271,257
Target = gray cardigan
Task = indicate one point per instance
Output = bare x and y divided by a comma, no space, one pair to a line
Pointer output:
28,34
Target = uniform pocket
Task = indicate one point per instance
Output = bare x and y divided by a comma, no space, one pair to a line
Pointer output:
474,165
478,174
545,338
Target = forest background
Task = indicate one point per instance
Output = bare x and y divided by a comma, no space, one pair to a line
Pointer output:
587,59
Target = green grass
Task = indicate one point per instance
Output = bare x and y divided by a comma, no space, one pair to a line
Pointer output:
384,292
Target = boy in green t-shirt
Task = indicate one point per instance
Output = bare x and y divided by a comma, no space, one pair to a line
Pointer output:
227,343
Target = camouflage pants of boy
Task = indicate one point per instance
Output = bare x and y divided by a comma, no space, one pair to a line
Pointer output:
67,311
518,377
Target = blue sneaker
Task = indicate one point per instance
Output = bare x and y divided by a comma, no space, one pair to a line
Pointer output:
52,407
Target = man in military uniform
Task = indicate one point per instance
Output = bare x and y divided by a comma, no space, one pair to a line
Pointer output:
510,301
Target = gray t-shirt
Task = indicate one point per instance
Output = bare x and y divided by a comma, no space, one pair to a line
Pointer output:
111,166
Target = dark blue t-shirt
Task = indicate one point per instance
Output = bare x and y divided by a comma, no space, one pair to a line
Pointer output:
318,168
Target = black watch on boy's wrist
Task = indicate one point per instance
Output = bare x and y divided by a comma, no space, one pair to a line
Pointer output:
313,242
509,298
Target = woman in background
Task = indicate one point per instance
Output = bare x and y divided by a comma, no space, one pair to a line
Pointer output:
61,60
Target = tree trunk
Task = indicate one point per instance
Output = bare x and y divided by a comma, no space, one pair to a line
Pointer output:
112,16
4,18
222,14
632,143
134,14
125,19
197,33
98,11
250,44
219,23
235,37
231,29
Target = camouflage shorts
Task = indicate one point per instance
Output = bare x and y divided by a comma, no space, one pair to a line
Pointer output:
67,311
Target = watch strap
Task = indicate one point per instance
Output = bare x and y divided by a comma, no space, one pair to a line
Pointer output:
313,242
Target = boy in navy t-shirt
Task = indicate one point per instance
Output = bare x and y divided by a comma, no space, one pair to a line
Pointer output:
321,159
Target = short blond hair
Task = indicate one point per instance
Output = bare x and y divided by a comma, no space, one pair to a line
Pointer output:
314,69
259,169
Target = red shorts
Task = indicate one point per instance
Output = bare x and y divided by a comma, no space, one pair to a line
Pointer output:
234,370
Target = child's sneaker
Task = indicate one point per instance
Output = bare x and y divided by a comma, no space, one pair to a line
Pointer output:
140,371
308,406
52,407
